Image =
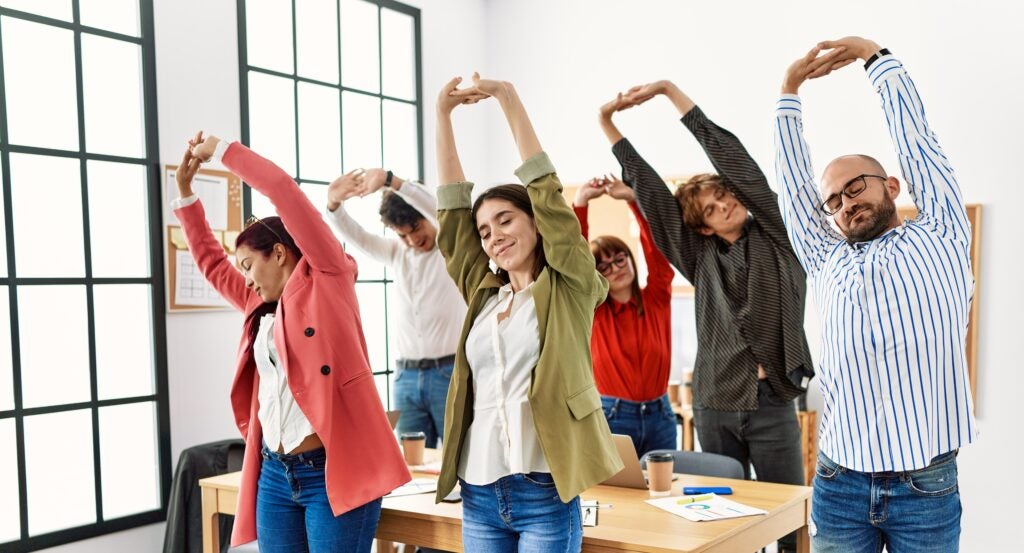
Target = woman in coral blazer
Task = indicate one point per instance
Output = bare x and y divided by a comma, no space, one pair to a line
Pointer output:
319,450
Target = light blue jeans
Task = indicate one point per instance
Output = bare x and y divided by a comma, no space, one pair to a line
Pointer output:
420,394
904,512
520,513
293,515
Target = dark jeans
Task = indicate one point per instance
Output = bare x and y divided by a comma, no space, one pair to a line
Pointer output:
768,439
651,424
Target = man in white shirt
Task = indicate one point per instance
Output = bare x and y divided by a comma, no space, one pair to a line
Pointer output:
429,308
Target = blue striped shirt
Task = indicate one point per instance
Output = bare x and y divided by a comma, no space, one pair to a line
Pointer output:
893,310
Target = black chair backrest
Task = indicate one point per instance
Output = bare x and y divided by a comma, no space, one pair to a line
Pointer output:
701,463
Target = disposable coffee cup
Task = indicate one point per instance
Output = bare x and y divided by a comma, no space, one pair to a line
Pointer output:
412,447
659,474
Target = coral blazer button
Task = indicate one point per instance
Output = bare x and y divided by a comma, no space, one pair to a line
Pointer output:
310,331
325,370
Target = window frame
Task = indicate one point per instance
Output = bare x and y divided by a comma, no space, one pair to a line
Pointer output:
243,79
160,398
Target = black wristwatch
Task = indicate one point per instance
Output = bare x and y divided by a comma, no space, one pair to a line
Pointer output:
875,56
388,179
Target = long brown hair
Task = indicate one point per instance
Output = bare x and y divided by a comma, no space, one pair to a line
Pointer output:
610,246
516,195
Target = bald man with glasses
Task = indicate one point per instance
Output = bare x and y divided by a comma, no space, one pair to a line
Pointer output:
893,298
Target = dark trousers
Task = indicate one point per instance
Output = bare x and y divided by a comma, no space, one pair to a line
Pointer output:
768,439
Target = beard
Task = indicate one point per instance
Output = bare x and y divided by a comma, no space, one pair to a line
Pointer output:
876,222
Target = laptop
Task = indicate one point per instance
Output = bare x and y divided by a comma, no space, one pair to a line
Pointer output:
631,476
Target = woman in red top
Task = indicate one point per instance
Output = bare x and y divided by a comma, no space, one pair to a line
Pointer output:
319,452
631,342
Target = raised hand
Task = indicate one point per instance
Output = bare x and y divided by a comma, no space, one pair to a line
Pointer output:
373,180
594,188
447,100
203,148
344,187
619,103
641,93
188,167
483,88
617,189
812,66
855,46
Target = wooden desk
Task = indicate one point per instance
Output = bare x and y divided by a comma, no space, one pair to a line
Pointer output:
631,525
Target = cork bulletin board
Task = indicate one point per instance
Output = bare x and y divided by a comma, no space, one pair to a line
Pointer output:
221,194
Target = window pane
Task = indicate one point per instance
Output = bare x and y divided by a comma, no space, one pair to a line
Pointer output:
393,352
360,61
272,119
120,16
61,494
319,132
124,340
46,197
39,75
128,459
261,205
317,194
372,313
6,366
118,219
3,234
57,9
398,54
112,92
268,32
360,130
365,212
316,31
401,151
49,316
9,523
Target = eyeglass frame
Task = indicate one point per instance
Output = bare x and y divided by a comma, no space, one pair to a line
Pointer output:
844,192
619,261
253,219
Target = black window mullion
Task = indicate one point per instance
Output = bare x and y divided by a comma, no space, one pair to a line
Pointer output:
243,89
380,124
74,25
12,292
341,103
87,252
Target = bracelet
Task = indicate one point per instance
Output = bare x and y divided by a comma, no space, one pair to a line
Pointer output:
875,56
387,179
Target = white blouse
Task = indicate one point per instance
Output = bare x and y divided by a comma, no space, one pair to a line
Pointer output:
502,439
283,422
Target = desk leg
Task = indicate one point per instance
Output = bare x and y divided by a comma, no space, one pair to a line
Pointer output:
211,522
803,540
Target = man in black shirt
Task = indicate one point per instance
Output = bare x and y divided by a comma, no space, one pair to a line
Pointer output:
725,234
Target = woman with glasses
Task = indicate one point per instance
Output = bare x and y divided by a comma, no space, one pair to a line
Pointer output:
524,433
632,341
319,452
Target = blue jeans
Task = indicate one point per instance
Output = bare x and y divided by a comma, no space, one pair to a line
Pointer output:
420,394
520,512
904,512
651,424
292,512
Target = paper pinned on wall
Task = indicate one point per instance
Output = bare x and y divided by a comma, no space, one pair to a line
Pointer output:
212,191
191,288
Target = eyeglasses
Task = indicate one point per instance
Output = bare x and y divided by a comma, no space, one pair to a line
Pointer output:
617,261
252,220
851,189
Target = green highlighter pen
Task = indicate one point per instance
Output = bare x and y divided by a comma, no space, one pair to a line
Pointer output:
695,498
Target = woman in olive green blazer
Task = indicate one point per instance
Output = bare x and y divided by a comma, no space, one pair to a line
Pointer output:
523,415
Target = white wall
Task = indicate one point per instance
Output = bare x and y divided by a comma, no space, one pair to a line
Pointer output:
569,57
197,88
